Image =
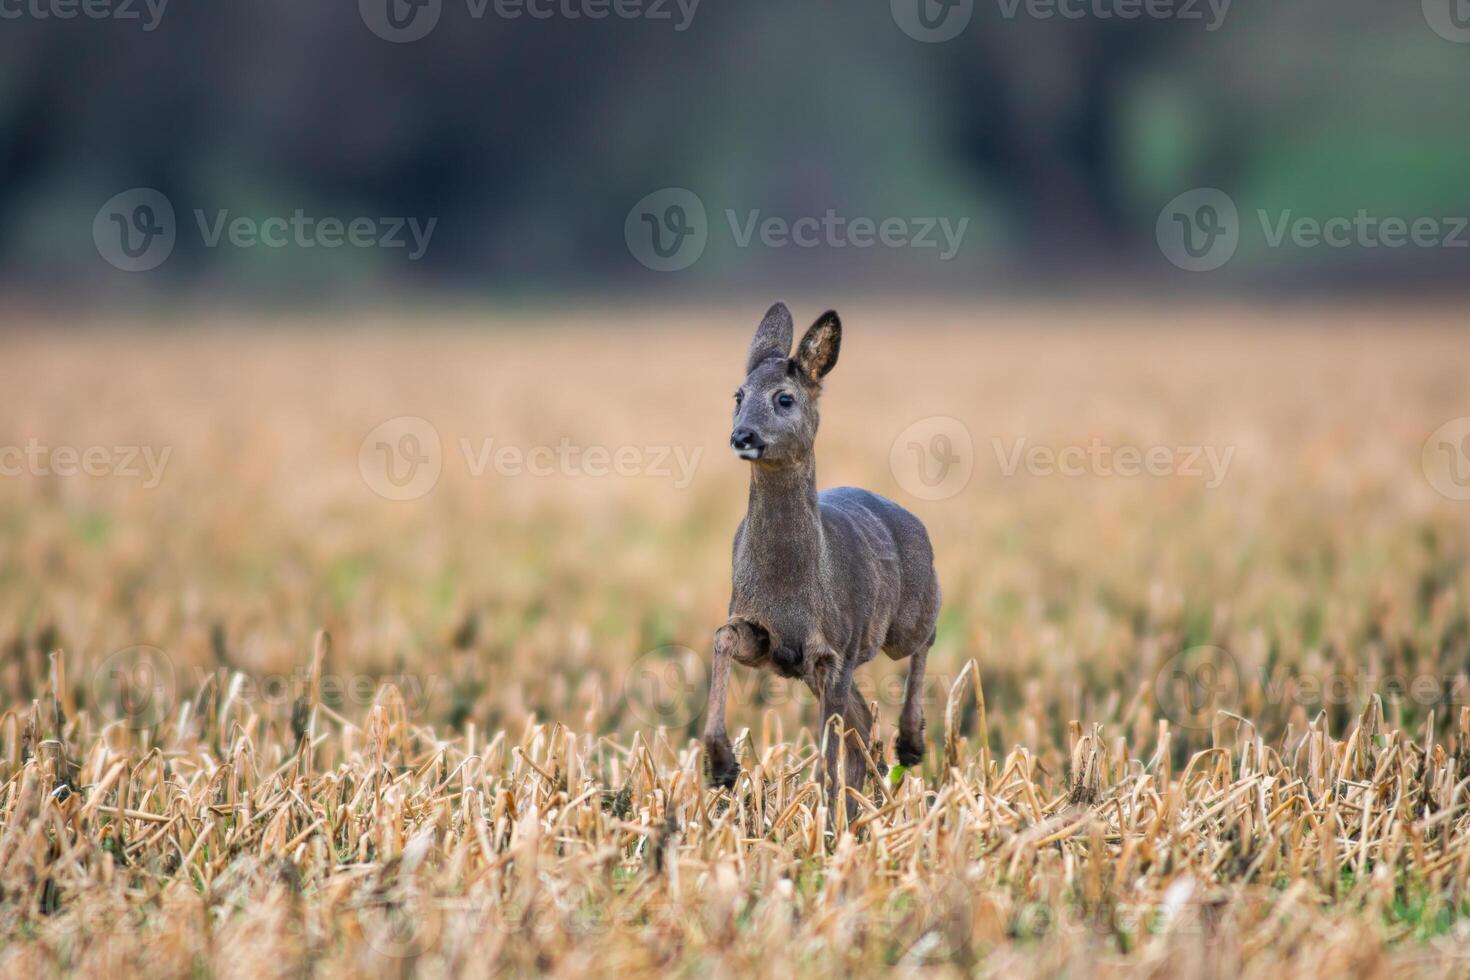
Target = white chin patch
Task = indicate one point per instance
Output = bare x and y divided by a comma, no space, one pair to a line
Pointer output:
748,453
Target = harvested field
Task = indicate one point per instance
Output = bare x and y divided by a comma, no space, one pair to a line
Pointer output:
1209,717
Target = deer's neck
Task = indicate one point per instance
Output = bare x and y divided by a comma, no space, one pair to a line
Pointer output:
783,527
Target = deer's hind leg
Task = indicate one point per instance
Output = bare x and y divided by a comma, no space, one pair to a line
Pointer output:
909,746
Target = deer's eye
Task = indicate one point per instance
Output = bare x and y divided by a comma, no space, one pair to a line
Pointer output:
739,397
784,400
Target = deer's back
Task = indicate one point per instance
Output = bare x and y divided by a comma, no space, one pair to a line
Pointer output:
883,565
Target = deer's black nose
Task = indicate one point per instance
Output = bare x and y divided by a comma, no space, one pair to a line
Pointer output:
746,439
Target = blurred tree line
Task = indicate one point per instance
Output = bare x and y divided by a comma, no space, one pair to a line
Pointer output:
1058,138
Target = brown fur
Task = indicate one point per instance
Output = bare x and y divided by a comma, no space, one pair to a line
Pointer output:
822,582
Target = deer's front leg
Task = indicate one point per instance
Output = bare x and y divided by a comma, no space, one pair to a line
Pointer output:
859,720
736,640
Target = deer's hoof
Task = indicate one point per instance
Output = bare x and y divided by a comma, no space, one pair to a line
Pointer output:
910,751
723,767
788,661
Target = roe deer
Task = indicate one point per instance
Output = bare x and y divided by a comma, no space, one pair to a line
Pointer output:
822,582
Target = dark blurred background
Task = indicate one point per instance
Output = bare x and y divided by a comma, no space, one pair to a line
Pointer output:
1058,136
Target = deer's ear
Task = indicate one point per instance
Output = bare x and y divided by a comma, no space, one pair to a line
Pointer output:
817,352
772,337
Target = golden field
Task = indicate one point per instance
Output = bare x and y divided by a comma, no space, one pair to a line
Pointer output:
1216,722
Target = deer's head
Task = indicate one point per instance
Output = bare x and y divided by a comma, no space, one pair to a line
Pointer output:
776,406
